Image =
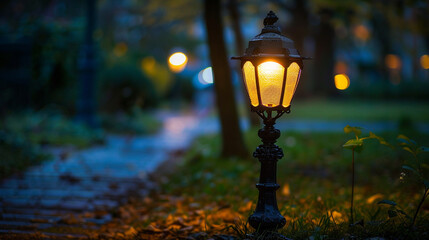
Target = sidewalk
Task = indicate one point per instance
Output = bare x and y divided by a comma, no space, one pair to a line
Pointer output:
78,189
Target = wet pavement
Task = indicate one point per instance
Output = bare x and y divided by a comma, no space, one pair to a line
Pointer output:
75,184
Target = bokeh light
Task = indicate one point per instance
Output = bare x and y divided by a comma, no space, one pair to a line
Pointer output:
205,76
177,62
393,61
342,81
361,32
148,64
120,49
424,61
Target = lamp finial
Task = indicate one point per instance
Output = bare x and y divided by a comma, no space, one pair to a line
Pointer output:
270,19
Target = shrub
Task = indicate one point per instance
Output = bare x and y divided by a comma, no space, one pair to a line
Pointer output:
124,86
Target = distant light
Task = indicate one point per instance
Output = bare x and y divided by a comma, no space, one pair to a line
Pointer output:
205,76
177,59
177,62
208,75
120,49
361,32
342,81
424,61
393,61
148,64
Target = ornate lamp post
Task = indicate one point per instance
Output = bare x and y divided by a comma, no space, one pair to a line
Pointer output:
271,70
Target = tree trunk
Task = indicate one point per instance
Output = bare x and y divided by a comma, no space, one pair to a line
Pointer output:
324,56
234,15
382,34
298,29
86,102
232,141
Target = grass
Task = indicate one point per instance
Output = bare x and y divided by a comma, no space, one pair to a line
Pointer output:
314,196
136,122
50,128
342,110
23,136
16,154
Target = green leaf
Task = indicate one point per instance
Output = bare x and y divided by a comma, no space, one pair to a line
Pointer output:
380,139
403,137
411,169
388,202
403,213
392,213
357,130
353,143
408,149
404,140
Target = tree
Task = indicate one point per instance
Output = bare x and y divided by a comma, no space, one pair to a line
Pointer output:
232,141
234,15
324,55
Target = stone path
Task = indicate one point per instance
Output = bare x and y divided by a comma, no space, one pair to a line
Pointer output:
78,189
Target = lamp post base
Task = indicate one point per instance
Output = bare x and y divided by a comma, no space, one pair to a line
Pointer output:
267,218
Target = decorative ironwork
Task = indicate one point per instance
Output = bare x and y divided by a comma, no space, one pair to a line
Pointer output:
267,217
269,46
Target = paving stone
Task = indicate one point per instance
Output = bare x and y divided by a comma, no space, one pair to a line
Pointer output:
81,205
34,211
54,235
28,217
104,203
21,225
94,179
17,202
49,203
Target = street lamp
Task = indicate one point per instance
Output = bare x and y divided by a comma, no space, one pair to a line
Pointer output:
271,69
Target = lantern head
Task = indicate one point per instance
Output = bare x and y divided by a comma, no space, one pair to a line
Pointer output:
271,68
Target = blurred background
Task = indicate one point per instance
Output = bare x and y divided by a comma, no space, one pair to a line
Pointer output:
72,71
112,90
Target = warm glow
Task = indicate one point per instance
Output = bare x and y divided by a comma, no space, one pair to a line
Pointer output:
249,78
393,61
342,81
148,64
361,32
424,61
286,189
293,74
270,83
177,62
120,49
340,67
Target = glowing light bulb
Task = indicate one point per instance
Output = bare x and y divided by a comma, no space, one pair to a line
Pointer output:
270,83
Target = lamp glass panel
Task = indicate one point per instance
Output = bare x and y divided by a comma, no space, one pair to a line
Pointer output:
249,79
270,83
292,78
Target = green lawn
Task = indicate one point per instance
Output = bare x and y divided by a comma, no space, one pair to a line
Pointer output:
320,109
315,188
